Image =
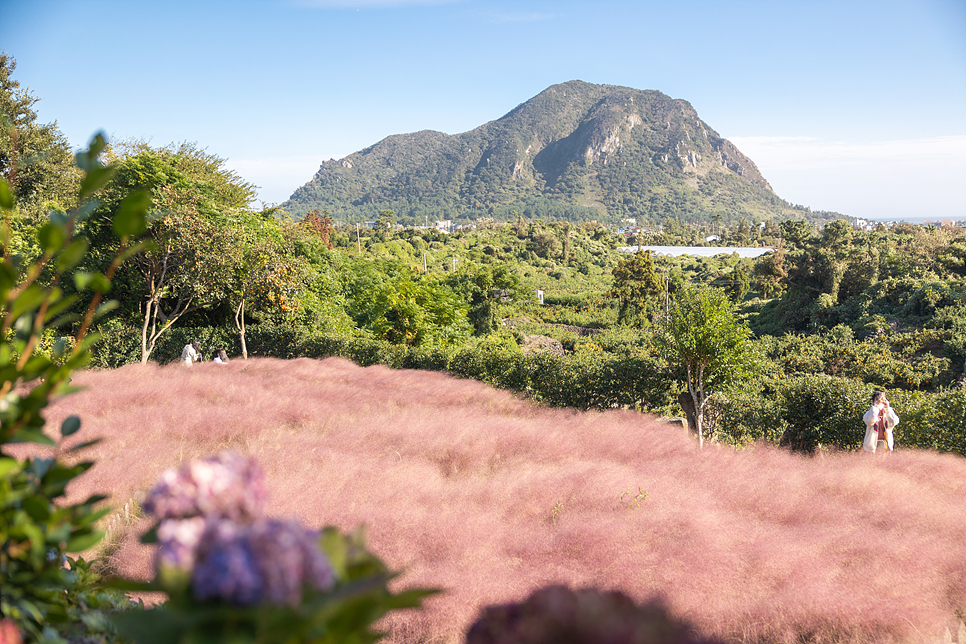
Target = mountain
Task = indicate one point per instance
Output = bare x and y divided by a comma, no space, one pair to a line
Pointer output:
576,151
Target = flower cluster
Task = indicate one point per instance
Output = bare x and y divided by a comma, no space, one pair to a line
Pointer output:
211,528
226,485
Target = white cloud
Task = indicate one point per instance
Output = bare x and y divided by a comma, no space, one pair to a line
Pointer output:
880,179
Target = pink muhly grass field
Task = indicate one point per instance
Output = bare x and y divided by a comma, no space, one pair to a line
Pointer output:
469,489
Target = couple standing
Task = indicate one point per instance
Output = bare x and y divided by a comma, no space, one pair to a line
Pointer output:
879,422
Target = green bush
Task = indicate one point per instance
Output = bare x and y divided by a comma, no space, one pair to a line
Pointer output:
49,596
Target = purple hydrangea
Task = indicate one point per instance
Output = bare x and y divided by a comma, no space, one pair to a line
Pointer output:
269,560
226,568
210,527
290,559
226,485
179,539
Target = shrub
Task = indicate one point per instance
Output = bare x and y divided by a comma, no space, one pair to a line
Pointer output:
47,594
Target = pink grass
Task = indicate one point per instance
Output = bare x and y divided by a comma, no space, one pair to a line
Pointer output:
457,484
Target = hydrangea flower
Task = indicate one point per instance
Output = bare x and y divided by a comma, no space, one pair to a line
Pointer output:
211,528
290,559
179,539
226,485
226,568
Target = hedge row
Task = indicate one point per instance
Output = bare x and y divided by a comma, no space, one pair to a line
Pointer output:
804,412
810,412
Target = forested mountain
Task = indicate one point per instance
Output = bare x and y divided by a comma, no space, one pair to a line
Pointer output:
576,151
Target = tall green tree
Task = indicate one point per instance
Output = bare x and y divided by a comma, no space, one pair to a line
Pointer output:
35,158
393,302
706,344
266,277
636,285
195,245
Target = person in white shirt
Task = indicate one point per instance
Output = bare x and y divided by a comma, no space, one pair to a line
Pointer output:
191,353
879,422
221,357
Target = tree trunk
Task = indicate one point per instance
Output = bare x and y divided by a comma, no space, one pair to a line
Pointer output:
687,404
240,325
146,346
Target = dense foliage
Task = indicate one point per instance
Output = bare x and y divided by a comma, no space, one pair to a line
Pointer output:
48,595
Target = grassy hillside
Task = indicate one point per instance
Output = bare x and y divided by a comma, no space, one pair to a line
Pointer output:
471,489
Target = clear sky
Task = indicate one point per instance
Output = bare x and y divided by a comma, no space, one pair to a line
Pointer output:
856,106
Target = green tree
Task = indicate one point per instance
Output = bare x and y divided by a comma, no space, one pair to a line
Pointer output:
796,232
706,345
636,285
385,221
393,302
482,287
770,273
35,158
195,247
265,275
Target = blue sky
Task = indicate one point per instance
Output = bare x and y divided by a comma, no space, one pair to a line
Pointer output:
849,105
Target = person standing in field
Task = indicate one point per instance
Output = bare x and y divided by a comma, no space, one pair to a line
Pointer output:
191,353
879,422
221,357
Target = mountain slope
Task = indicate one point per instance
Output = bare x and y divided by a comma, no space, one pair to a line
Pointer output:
574,151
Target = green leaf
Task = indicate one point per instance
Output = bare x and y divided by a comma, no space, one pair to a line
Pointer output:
87,159
6,197
51,237
36,507
131,218
31,436
94,281
72,255
30,299
84,541
70,426
82,446
147,245
94,180
8,465
105,308
99,283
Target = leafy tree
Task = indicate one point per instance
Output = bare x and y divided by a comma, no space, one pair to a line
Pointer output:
707,345
483,287
265,275
739,284
770,273
35,158
636,285
796,232
393,302
386,220
195,249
